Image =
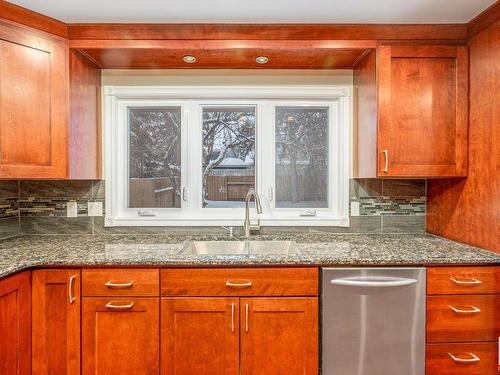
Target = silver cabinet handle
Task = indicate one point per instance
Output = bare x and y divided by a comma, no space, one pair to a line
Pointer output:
71,297
473,358
112,306
386,164
472,310
184,197
232,317
471,281
246,317
111,284
374,281
238,285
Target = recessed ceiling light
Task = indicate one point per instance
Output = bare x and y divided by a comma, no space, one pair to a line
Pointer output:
262,60
189,59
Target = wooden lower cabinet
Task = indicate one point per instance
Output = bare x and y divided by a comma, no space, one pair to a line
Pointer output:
56,322
222,336
15,325
463,318
120,336
279,336
200,336
468,359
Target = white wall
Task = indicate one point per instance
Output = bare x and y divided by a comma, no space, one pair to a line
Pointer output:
181,77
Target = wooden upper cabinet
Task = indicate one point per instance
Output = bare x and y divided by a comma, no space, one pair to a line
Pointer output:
423,100
279,336
120,336
56,322
33,103
411,112
15,325
200,336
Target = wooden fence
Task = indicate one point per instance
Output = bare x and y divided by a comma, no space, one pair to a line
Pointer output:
153,192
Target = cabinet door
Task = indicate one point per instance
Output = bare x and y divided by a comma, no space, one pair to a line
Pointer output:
279,336
120,336
56,322
200,336
33,103
15,325
423,101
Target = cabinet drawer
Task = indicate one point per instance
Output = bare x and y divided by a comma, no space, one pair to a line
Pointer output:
240,282
463,280
463,318
480,359
120,282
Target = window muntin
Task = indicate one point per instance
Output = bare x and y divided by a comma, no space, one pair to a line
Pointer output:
301,157
228,155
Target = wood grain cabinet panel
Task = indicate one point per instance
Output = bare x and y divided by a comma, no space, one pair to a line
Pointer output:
33,103
200,336
121,282
239,282
56,322
120,336
463,318
15,325
279,336
480,359
463,280
423,101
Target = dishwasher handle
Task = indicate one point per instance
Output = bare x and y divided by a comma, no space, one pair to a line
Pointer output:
374,281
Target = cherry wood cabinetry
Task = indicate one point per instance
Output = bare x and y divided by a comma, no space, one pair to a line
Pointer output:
463,320
259,321
121,329
440,361
15,324
120,336
281,333
200,336
56,322
33,103
415,123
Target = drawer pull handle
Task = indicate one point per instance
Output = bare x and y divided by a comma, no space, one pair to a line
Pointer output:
239,285
471,310
111,284
473,358
111,306
466,282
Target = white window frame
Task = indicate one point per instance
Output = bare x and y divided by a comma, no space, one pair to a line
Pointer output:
191,99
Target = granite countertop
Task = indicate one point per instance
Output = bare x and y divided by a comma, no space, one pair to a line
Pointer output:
23,252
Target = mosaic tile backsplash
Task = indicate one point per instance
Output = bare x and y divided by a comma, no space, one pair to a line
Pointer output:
39,207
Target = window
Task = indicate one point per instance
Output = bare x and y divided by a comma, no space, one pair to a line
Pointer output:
188,155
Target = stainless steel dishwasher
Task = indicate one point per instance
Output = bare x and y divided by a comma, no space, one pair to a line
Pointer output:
373,321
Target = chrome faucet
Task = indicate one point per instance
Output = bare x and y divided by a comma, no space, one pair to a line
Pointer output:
248,227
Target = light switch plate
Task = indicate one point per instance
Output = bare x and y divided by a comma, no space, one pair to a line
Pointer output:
354,208
71,209
94,208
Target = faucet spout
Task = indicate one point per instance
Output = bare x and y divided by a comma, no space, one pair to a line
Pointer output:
247,226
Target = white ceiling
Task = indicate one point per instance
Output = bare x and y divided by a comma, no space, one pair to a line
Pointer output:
260,11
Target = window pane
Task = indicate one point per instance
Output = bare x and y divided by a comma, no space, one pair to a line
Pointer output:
301,157
154,157
228,155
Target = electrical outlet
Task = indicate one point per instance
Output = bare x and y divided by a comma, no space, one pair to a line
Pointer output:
354,208
94,208
71,209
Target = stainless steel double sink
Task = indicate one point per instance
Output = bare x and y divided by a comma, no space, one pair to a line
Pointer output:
240,248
